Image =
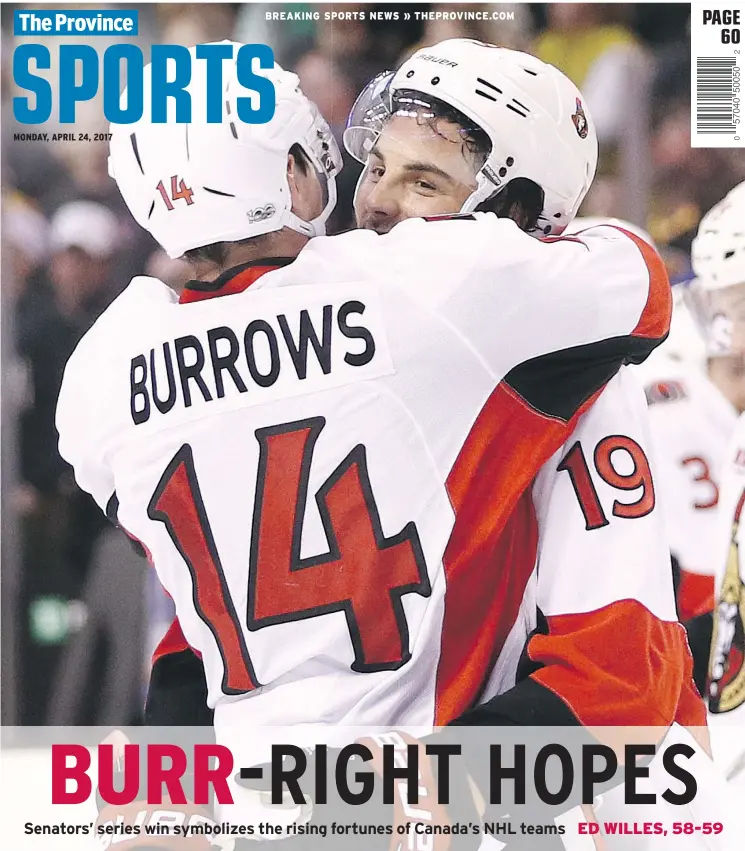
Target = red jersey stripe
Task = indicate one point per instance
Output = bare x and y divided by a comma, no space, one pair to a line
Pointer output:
603,687
492,548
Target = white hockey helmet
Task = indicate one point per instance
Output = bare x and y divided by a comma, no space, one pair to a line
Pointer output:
718,261
194,184
534,116
718,250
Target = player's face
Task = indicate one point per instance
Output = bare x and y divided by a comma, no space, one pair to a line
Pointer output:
728,374
77,276
416,168
730,302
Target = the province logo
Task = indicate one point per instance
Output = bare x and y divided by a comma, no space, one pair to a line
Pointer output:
82,71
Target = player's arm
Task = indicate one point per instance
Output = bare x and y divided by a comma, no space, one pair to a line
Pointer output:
88,413
609,650
177,691
81,419
602,297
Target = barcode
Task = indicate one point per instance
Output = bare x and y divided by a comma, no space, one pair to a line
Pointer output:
714,94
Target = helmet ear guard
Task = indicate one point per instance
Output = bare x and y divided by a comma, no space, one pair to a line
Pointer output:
322,151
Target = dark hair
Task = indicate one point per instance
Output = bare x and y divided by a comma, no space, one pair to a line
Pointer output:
475,140
521,199
217,252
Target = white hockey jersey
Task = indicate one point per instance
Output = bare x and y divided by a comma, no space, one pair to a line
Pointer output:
330,462
692,424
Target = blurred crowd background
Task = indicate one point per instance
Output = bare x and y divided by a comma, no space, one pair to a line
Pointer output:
81,610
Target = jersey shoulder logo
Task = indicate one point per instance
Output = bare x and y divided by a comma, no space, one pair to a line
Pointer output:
665,391
261,213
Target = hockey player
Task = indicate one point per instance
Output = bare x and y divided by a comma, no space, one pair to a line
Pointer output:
432,143
695,392
414,383
718,256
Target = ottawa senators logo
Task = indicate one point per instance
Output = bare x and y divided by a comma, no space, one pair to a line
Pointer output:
665,391
727,664
580,121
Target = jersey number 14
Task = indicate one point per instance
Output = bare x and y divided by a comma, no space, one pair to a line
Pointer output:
363,574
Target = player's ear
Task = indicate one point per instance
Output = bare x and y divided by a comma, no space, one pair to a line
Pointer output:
297,170
292,169
306,192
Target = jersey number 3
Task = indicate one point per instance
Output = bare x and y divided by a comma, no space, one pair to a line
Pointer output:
363,574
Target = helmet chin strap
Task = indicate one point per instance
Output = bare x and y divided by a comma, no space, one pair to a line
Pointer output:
485,188
317,226
360,179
